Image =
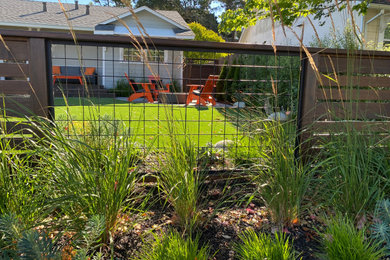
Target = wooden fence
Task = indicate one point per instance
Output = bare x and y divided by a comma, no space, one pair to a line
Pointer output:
198,73
336,89
23,68
23,84
343,91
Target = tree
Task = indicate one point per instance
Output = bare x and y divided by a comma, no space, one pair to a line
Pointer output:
232,4
284,11
113,2
161,5
203,34
190,10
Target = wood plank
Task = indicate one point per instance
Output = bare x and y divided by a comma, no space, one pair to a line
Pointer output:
14,87
18,143
38,76
14,70
17,106
347,110
353,94
371,138
12,127
17,50
337,126
309,94
362,81
368,65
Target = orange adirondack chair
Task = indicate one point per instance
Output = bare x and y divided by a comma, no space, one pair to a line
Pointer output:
203,94
144,92
158,86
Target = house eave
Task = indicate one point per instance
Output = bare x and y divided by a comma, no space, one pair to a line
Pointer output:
142,8
379,6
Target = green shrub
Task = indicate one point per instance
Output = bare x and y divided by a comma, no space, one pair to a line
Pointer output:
275,77
262,246
174,246
342,241
122,88
203,34
220,87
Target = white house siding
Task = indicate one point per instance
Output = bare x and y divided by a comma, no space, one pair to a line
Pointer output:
70,55
113,68
152,24
169,70
262,32
376,20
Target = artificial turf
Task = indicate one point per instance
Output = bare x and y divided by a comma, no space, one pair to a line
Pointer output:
150,122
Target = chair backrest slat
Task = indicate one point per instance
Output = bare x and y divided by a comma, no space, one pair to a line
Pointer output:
210,84
130,82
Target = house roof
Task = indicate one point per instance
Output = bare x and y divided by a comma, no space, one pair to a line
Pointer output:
26,13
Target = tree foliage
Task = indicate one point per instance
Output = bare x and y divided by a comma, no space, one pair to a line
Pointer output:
190,10
284,11
203,34
113,2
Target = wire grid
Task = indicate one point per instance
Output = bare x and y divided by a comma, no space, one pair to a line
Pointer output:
265,83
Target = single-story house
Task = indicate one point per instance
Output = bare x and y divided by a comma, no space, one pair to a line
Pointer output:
110,63
373,26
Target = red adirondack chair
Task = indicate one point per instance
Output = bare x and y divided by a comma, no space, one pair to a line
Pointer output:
203,94
158,86
145,92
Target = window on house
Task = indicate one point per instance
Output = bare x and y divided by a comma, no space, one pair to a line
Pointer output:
386,38
131,54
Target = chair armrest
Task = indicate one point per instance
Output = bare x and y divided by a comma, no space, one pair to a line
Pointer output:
194,87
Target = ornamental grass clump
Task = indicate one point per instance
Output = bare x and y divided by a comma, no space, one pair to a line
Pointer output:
342,241
86,180
174,246
283,182
181,181
262,246
23,188
355,174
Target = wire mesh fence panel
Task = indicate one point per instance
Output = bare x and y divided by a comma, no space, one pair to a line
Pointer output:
218,99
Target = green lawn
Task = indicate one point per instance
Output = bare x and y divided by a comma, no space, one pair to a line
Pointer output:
149,121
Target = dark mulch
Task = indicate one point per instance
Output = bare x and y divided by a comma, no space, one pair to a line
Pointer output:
222,227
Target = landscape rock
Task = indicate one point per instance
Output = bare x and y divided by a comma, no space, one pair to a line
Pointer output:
224,144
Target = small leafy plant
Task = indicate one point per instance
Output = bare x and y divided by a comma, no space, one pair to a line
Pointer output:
174,246
342,241
262,246
381,228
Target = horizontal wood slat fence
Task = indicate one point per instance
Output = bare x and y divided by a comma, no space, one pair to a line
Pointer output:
344,92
